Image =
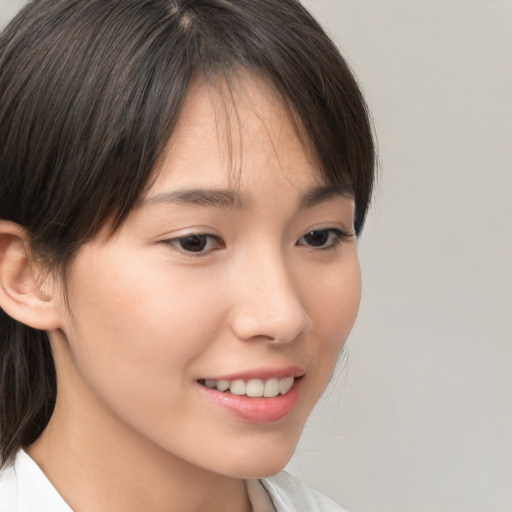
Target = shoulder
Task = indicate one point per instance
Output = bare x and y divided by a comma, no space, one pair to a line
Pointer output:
289,494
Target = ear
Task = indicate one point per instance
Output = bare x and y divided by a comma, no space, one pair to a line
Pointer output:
24,295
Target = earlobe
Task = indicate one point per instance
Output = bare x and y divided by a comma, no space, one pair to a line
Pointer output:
23,294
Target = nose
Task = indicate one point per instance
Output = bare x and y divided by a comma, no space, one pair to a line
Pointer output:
268,307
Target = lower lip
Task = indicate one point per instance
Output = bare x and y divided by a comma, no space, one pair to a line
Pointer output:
259,411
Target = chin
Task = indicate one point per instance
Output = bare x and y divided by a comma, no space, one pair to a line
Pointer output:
257,471
265,463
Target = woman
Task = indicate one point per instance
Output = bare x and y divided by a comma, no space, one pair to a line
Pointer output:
182,185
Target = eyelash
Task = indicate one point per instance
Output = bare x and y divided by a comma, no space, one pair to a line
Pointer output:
203,241
334,235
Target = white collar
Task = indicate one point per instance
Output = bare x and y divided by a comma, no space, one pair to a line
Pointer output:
25,488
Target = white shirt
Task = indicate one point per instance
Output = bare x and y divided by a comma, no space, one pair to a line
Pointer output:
25,488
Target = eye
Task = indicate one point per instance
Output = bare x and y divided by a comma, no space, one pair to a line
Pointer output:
196,243
324,238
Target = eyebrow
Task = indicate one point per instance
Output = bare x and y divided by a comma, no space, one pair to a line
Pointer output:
201,197
324,192
231,199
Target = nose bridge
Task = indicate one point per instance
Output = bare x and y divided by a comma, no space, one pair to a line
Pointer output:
268,303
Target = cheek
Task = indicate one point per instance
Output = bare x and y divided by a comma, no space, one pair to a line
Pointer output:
334,300
117,294
136,323
333,303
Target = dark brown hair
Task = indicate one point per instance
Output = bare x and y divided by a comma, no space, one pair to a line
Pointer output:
90,91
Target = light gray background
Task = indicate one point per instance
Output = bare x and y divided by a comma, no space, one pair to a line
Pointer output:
421,418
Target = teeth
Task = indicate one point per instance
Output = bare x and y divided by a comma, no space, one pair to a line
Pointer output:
253,388
285,385
237,387
222,385
271,388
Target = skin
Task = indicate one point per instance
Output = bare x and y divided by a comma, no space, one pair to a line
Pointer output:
131,429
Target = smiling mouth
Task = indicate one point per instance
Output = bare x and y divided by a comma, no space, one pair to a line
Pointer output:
254,388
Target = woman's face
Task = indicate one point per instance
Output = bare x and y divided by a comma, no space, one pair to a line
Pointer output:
238,268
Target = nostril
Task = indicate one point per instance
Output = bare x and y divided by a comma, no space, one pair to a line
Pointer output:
249,326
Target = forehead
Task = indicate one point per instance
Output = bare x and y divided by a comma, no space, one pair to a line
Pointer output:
229,134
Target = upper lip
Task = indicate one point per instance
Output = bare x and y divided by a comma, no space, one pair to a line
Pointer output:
262,374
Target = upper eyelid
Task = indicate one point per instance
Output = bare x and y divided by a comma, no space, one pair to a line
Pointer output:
188,235
192,232
342,237
339,229
341,233
174,242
